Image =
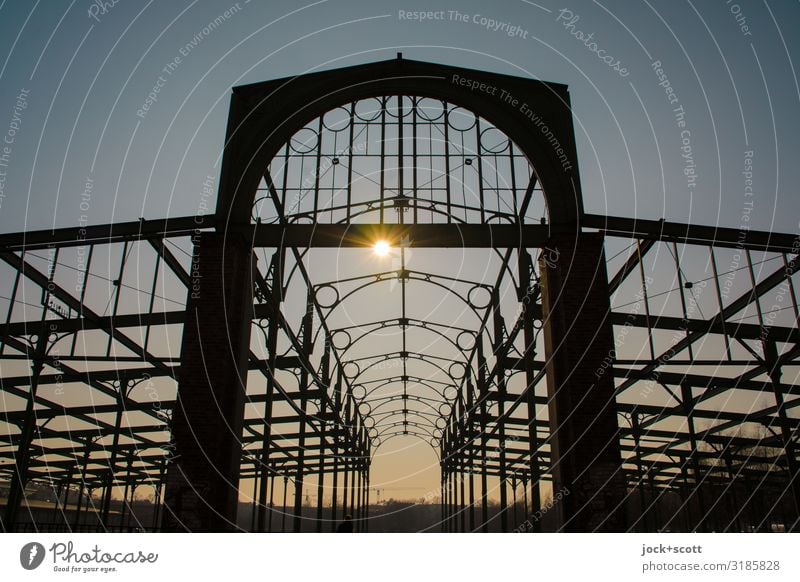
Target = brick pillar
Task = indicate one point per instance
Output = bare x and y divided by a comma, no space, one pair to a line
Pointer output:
578,335
203,475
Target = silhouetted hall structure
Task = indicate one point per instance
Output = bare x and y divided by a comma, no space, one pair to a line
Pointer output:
263,118
606,374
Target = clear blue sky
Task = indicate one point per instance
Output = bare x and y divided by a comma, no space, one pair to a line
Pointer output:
88,72
79,144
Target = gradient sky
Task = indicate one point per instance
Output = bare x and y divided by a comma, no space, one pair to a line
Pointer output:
83,79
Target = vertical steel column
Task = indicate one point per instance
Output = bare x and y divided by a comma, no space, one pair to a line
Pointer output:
514,493
451,494
359,499
483,395
285,490
273,300
157,494
585,443
352,471
366,495
321,472
688,410
271,500
442,514
131,506
77,517
470,435
461,462
639,470
202,484
57,504
335,485
345,484
525,498
528,295
19,478
254,502
112,462
501,399
308,322
70,471
338,428
733,506
325,374
775,371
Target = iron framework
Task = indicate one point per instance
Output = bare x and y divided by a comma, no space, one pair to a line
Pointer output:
704,325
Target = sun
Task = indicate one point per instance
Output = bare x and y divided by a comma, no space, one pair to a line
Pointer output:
381,248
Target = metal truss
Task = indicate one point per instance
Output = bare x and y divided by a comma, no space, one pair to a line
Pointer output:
705,322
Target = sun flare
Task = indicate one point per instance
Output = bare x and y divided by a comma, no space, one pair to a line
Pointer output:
381,248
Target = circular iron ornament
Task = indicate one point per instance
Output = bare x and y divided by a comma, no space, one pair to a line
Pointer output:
304,141
327,296
351,370
341,339
450,393
368,109
479,297
392,109
430,109
445,409
461,119
494,141
441,423
336,120
456,371
465,340
365,409
359,392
